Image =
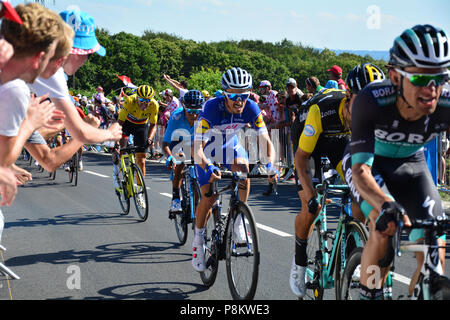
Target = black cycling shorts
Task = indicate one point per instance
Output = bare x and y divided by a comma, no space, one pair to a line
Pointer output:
139,132
408,181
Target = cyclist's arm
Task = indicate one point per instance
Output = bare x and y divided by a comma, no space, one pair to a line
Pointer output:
306,145
364,114
153,120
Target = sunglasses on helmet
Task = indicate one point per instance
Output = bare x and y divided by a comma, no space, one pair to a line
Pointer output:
424,80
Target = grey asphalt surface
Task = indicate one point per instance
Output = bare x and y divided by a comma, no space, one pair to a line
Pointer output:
55,231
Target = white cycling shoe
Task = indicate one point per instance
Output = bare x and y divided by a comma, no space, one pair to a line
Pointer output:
198,257
297,279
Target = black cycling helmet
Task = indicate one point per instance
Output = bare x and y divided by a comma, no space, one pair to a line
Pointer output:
362,75
421,46
193,99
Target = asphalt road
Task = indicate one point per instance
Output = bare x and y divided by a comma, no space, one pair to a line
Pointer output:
69,242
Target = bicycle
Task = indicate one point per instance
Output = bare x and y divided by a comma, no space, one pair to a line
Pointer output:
73,168
326,265
221,241
132,184
432,284
190,196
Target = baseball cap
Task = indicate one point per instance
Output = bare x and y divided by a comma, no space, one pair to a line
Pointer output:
336,70
291,82
9,12
165,92
85,41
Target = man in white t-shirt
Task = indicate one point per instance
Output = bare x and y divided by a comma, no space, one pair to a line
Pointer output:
85,43
34,44
181,86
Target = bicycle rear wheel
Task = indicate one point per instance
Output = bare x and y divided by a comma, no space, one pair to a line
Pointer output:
314,269
356,236
211,247
242,253
122,193
140,193
351,276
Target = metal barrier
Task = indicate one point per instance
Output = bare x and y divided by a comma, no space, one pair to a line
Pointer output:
281,139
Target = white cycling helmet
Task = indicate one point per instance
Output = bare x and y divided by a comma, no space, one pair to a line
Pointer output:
236,78
421,46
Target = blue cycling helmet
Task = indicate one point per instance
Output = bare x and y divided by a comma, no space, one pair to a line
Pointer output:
193,99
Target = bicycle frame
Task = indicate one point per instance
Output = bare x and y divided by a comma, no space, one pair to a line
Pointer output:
329,256
431,267
126,169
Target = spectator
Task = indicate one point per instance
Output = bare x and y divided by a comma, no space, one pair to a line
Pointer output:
206,95
181,86
84,44
336,75
294,95
172,103
6,49
313,85
265,88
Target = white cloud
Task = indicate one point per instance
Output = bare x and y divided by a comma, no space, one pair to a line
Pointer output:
327,16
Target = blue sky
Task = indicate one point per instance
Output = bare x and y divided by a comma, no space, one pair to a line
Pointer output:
337,24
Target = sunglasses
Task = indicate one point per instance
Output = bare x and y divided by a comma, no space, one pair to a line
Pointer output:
143,100
236,96
424,80
193,111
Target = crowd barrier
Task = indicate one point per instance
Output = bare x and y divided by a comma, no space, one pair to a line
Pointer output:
437,153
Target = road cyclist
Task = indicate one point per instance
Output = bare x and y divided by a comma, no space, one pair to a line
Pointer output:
392,121
216,142
138,111
177,141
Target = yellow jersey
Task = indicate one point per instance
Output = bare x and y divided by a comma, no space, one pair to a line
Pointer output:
131,111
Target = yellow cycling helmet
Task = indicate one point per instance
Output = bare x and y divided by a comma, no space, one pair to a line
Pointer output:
145,92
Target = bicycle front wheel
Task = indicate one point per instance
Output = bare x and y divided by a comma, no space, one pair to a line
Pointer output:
211,247
351,276
181,218
314,269
122,193
242,253
356,236
140,193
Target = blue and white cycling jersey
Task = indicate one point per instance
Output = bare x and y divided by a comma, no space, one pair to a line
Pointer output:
216,122
178,130
219,129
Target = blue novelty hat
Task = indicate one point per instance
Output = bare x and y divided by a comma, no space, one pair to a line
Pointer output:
85,41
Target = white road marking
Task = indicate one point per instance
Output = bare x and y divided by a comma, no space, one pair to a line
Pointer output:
166,194
401,278
396,276
96,174
273,230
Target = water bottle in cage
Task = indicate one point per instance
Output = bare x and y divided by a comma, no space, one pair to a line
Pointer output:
130,139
